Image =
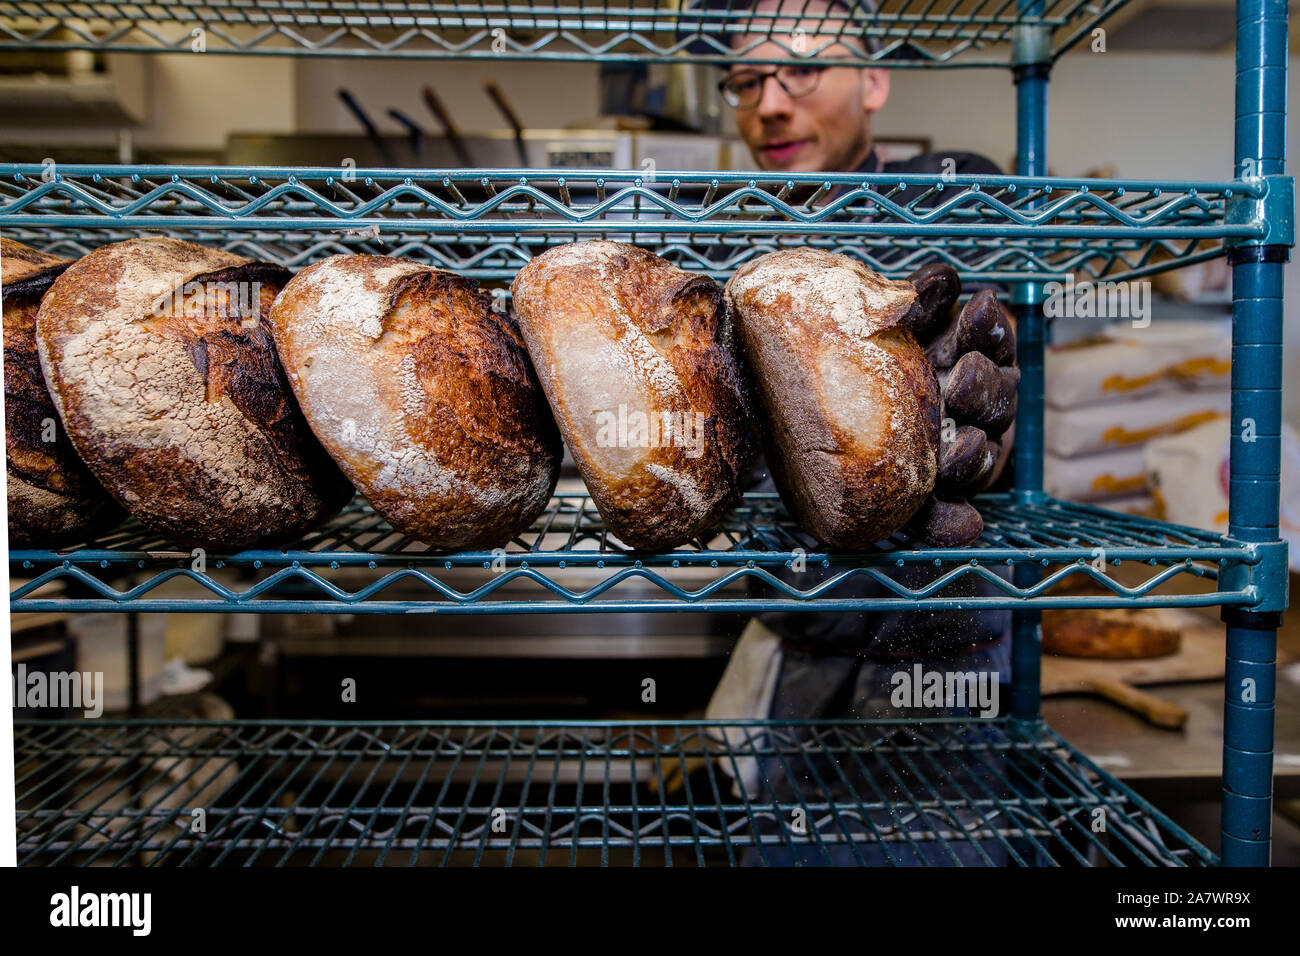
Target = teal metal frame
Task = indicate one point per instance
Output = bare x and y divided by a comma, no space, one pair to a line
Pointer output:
1060,542
487,223
1030,62
886,792
907,33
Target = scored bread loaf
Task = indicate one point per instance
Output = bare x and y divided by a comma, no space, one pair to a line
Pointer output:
1111,633
53,498
159,361
637,359
423,393
851,403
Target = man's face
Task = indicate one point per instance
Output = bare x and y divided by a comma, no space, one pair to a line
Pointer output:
826,130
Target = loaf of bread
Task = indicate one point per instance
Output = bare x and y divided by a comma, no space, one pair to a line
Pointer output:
53,497
1110,633
850,401
161,365
423,393
637,359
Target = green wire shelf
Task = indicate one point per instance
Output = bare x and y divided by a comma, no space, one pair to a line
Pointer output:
756,560
488,223
940,792
902,33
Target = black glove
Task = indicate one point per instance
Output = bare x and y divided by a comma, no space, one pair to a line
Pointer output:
973,353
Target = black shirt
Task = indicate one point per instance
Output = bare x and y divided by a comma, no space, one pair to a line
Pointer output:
935,164
965,164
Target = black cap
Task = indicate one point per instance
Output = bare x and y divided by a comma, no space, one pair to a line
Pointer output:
711,38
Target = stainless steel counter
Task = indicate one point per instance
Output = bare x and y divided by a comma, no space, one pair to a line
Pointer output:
1185,762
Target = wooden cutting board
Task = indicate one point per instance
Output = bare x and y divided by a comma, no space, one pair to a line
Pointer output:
1201,657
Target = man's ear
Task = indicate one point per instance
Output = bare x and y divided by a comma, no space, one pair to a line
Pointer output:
875,88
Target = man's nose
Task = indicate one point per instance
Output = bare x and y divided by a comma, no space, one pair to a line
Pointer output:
773,101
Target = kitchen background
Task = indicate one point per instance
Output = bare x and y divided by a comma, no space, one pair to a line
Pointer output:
1158,103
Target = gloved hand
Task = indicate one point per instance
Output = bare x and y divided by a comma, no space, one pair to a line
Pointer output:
973,352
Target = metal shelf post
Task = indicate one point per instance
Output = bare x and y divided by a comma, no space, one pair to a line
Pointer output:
1256,440
1031,62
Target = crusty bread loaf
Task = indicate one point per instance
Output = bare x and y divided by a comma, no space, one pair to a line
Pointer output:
851,403
423,393
53,498
637,359
1110,633
158,358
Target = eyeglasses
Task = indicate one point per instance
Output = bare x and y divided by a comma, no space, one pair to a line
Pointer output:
744,90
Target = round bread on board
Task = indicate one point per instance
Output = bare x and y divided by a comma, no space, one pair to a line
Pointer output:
53,498
852,404
160,362
637,359
423,394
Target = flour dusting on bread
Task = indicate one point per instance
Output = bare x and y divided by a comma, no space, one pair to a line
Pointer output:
182,412
639,353
859,301
353,301
618,332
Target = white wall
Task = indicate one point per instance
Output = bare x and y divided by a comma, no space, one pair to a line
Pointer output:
199,98
1151,116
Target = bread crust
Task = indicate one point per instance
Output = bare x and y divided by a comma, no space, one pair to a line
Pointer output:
423,393
52,497
637,359
172,394
851,403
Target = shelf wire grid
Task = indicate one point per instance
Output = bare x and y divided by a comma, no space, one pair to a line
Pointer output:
489,223
568,561
901,33
888,792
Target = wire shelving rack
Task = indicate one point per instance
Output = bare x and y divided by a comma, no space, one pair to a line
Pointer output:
488,223
905,32
862,791
891,793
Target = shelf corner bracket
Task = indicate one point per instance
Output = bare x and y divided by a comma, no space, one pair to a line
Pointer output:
1272,211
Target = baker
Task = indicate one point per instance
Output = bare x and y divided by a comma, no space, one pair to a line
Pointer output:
838,666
